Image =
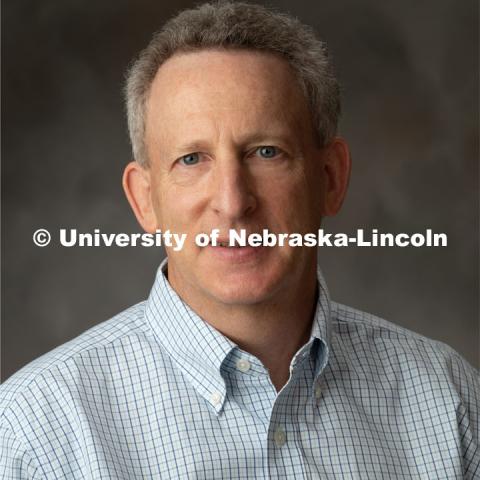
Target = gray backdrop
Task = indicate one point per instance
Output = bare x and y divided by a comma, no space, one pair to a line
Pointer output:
409,74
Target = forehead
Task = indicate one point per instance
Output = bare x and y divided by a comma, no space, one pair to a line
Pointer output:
246,89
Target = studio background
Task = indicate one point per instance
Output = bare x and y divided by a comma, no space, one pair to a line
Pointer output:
410,114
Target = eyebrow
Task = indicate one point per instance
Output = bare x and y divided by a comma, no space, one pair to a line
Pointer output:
255,138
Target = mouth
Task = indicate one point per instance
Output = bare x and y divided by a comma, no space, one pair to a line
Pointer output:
235,254
225,244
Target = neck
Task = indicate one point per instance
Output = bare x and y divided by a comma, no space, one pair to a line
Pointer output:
272,331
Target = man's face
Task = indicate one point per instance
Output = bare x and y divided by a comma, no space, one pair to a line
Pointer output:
231,146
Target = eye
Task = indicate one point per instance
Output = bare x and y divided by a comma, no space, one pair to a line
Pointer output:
190,159
267,151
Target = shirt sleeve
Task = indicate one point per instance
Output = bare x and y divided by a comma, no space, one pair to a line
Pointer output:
467,381
15,461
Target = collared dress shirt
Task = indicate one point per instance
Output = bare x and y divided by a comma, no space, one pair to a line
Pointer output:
158,393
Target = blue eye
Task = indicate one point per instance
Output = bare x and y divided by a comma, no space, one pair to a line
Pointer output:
267,151
190,159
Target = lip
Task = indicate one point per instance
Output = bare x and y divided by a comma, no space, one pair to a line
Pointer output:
236,254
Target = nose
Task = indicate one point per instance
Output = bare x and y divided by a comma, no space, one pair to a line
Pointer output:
232,195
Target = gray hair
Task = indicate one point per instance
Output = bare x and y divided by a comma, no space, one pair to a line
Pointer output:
238,26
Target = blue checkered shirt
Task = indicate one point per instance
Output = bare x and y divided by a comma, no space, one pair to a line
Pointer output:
156,392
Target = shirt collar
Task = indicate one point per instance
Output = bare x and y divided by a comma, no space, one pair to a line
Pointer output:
195,346
321,331
199,350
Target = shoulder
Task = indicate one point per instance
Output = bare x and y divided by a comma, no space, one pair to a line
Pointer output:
375,341
55,409
348,321
68,360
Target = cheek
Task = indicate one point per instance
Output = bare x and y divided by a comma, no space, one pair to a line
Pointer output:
315,189
157,202
311,188
177,207
293,204
161,202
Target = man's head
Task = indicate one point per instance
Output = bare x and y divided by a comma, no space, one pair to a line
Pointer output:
232,114
237,26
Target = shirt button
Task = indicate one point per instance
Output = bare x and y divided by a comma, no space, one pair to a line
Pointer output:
279,437
243,365
216,398
318,392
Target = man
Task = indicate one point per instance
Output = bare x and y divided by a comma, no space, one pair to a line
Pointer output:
238,365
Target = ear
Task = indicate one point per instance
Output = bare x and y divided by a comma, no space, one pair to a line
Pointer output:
136,183
337,165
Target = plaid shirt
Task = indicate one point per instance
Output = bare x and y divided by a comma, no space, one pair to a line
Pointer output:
156,392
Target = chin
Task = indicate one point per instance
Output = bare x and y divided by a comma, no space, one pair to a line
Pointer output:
243,290
239,296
